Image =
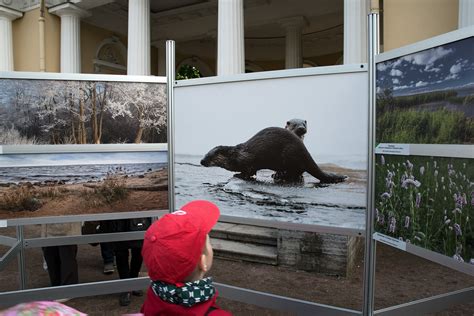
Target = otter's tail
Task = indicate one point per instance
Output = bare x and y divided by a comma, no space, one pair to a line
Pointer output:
322,176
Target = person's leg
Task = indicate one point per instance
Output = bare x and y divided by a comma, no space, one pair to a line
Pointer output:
121,259
107,253
69,268
123,268
51,255
135,266
135,262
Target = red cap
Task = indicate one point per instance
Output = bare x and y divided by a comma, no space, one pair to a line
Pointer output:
173,245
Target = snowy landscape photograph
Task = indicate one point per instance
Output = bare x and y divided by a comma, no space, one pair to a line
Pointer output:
81,112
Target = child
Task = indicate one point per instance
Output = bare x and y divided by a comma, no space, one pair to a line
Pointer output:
178,253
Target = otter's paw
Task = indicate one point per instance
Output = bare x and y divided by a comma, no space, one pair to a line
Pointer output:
244,176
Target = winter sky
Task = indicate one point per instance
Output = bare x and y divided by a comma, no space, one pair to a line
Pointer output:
449,66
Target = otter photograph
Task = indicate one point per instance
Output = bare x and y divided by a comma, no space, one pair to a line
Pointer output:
283,153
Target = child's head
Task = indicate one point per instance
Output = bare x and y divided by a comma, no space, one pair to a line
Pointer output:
176,248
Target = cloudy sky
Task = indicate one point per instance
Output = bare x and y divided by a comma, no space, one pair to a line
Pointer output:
443,67
59,159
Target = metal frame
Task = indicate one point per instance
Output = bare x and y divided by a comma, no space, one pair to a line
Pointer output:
275,74
170,75
88,148
79,77
234,293
369,261
426,44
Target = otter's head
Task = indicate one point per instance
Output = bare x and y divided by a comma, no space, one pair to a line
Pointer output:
297,126
218,157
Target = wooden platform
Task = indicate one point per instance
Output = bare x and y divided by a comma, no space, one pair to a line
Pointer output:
324,253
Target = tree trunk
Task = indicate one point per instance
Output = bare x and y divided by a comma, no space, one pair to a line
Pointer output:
73,129
82,125
95,132
103,105
138,138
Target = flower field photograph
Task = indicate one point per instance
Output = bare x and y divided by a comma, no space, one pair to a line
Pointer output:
428,202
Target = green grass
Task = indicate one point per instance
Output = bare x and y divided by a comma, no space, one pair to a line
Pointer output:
427,201
424,127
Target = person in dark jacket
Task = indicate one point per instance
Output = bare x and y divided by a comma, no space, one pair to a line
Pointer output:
178,254
128,257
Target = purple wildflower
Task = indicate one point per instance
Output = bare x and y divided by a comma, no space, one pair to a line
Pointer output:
409,165
382,160
422,170
457,229
385,195
458,258
408,182
457,210
407,221
418,200
392,225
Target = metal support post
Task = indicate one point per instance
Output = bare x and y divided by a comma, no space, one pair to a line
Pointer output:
170,78
369,264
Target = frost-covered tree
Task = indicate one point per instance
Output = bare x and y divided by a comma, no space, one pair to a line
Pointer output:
144,103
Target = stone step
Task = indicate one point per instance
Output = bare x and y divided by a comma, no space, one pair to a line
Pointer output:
236,250
245,233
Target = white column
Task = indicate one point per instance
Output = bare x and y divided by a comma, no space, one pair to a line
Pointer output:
355,31
293,41
230,37
6,38
138,57
466,13
70,36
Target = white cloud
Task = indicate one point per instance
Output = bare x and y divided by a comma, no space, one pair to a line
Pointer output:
401,87
395,81
431,68
396,73
455,68
428,57
382,66
421,84
451,77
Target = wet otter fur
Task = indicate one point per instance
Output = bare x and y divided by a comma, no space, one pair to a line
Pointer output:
272,148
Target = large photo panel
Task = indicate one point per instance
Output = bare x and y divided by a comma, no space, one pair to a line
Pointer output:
427,97
79,146
425,146
288,148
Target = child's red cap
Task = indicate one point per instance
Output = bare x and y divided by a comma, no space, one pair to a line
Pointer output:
173,245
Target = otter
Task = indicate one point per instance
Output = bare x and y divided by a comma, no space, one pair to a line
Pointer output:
297,126
272,148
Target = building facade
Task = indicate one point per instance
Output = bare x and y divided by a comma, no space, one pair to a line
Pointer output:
218,37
